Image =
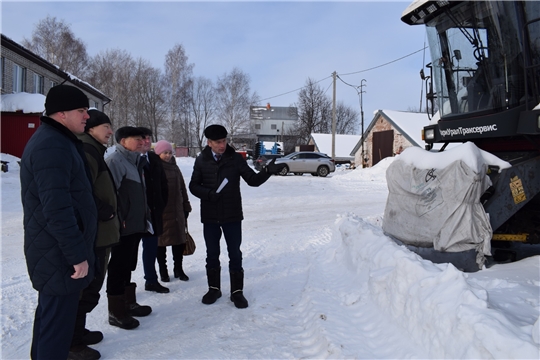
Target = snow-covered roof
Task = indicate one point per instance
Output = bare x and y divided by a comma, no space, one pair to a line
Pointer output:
409,124
55,69
343,144
25,102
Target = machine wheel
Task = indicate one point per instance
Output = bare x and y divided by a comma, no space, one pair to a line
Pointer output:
284,171
322,171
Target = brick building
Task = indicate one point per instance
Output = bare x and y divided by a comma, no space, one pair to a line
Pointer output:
389,133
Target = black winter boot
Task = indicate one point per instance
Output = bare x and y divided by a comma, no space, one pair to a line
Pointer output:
132,307
92,337
162,262
237,287
178,256
83,352
118,315
214,286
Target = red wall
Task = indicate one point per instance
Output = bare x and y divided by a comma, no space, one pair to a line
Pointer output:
16,129
181,151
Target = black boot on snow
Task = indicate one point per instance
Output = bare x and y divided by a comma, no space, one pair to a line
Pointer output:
214,284
132,307
92,337
237,287
118,315
83,352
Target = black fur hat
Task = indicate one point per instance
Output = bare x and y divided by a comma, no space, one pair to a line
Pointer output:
215,132
127,131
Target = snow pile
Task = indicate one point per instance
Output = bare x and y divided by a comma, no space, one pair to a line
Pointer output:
434,303
376,173
25,102
474,157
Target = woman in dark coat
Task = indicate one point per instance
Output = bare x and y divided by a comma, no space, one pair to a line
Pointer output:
174,216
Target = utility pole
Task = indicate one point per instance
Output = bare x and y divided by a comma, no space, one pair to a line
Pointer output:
334,75
362,117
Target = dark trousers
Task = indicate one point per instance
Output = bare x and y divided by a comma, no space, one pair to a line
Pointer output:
54,322
149,255
123,262
178,256
90,296
233,237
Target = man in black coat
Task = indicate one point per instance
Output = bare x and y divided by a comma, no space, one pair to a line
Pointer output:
60,219
221,208
126,166
157,194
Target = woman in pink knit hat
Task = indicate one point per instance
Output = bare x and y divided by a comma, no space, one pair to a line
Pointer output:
174,216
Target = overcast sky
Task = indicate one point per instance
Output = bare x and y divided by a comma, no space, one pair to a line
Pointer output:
279,44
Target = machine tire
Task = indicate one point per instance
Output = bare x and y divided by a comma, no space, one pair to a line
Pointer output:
284,171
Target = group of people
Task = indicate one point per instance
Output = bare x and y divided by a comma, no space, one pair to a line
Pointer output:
85,216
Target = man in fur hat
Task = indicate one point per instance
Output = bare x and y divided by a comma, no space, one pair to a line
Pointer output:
221,209
126,165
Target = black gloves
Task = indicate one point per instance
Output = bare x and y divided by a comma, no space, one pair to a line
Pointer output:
273,168
213,196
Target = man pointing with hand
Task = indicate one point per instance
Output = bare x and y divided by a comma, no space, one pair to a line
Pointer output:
221,211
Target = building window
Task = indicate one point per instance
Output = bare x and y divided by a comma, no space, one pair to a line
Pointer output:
273,126
53,84
19,78
96,104
257,126
39,84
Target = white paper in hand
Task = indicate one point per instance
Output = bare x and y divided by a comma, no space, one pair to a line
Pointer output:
223,183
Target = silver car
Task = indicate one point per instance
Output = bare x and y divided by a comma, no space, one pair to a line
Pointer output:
317,164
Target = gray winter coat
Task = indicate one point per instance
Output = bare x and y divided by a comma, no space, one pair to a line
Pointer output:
127,172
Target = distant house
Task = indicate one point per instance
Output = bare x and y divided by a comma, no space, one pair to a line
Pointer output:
343,145
23,72
389,133
273,123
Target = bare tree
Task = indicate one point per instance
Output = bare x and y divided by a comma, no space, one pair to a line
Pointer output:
203,107
234,100
177,82
111,72
314,112
346,119
147,93
53,40
149,108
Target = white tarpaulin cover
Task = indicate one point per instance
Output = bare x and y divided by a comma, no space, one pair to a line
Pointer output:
439,205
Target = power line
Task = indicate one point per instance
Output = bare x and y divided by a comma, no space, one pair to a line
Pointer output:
288,92
388,63
352,73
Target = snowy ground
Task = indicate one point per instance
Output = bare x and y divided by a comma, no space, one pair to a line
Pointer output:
322,282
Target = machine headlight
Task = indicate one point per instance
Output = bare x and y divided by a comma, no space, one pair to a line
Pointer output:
429,134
